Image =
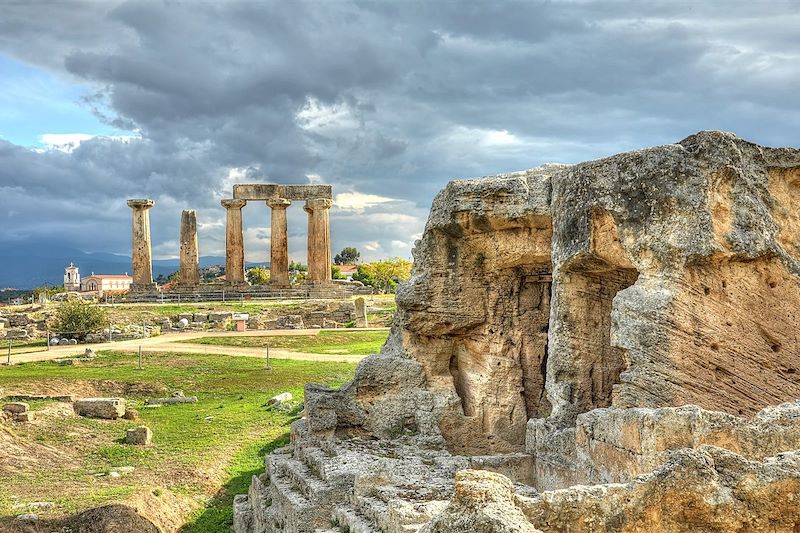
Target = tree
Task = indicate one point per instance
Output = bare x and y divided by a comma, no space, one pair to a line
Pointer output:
76,319
348,256
384,275
297,267
47,291
258,275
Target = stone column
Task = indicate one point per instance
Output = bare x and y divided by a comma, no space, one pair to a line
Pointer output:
234,243
190,259
319,239
141,253
279,242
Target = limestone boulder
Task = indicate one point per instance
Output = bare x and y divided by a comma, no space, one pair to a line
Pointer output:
108,408
16,407
139,436
483,502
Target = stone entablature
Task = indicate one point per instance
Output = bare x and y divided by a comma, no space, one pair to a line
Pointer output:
268,191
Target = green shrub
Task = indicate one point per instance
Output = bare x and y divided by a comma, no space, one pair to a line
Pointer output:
76,319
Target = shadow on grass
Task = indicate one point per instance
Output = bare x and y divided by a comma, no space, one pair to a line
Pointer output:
218,514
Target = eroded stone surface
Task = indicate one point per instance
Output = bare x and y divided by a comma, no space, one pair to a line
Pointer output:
622,324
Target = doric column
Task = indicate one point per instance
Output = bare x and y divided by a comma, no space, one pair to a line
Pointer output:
319,239
279,242
234,243
190,260
141,253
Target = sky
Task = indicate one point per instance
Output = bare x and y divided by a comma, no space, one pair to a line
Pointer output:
386,101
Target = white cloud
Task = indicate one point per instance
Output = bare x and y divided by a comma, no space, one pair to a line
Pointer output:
68,142
357,201
322,118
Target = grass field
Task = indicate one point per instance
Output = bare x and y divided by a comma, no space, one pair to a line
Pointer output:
344,341
204,453
21,346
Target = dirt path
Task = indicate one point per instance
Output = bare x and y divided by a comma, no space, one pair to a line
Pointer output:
171,342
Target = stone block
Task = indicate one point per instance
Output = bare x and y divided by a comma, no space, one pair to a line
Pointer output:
198,317
24,417
108,408
18,320
139,436
280,398
16,407
219,317
16,333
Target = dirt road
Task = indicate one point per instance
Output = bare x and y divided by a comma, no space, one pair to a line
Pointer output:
171,342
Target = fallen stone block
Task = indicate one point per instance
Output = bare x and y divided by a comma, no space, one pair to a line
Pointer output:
131,414
27,416
167,401
139,436
16,407
89,354
281,398
108,408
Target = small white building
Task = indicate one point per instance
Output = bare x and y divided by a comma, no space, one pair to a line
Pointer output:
106,283
72,279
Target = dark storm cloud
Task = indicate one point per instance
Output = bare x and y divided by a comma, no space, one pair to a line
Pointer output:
388,99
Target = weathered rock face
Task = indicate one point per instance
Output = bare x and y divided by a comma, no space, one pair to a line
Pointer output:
555,323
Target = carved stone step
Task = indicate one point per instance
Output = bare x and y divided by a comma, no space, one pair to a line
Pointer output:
305,480
348,519
371,508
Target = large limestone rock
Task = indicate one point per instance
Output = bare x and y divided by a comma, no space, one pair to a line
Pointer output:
591,324
110,408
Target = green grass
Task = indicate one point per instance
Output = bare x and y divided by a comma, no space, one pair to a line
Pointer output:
326,342
226,432
21,346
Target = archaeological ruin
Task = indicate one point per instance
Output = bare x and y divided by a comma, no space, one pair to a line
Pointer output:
606,346
317,199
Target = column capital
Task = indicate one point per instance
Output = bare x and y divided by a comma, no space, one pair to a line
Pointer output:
233,203
317,203
279,203
141,203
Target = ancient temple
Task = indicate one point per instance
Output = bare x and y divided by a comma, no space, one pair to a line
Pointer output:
317,201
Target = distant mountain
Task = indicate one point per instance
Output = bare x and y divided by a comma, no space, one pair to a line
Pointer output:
26,266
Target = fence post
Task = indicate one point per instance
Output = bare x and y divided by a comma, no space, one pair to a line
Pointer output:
269,366
140,357
8,361
48,340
